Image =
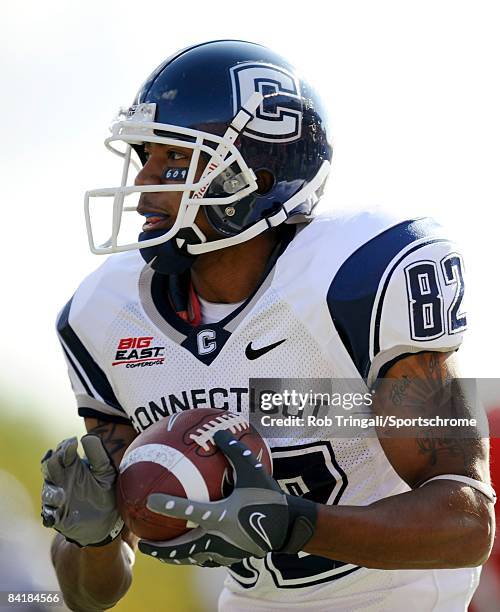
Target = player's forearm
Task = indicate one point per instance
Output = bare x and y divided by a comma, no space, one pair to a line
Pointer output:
442,525
92,578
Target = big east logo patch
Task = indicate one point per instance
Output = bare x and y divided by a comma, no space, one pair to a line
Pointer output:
138,352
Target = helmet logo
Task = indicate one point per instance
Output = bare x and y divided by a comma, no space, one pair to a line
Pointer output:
279,117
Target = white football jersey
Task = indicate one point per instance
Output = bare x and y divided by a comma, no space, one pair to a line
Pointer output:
350,294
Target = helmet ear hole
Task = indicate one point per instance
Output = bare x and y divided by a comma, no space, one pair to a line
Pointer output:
265,181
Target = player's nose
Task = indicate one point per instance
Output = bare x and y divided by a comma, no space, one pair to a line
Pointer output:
150,174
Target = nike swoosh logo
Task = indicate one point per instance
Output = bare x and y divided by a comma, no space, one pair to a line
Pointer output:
255,521
252,353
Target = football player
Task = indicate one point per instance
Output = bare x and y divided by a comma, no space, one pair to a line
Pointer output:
232,278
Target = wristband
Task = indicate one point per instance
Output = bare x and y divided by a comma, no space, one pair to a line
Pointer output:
303,514
113,534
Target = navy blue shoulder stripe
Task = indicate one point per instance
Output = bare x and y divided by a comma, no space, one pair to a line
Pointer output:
77,372
94,373
351,296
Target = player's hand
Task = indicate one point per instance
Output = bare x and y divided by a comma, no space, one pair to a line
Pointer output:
257,518
78,495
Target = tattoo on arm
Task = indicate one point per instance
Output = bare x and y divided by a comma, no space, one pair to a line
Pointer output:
426,385
433,363
427,391
111,439
398,390
437,447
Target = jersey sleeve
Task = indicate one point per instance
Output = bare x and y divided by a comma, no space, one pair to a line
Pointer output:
93,392
400,293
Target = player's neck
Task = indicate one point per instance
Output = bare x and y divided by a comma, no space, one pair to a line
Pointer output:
231,275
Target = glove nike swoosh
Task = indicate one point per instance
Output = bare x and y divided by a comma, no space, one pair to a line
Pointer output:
255,521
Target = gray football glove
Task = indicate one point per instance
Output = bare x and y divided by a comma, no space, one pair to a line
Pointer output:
257,518
78,495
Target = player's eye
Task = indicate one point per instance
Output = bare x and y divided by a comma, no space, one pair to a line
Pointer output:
175,155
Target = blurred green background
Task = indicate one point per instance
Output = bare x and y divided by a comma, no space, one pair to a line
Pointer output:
23,441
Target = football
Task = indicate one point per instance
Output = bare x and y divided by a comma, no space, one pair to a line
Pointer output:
178,456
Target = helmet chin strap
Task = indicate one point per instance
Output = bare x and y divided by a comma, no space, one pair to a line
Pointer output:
165,258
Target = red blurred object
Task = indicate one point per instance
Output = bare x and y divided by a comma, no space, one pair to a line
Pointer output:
487,596
177,456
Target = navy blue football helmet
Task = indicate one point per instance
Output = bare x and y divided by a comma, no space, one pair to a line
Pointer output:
245,113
